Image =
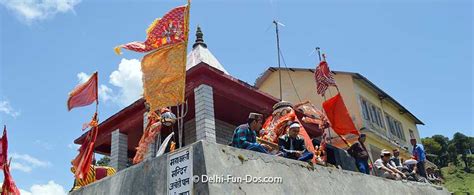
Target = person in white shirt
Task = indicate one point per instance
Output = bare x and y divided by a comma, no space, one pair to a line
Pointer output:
385,169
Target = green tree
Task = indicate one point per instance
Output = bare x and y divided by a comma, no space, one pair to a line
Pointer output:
452,154
104,161
432,149
443,153
462,144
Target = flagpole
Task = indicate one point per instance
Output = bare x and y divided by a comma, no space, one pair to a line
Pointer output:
278,50
324,95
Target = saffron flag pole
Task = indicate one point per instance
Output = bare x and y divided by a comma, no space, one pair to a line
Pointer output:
335,109
83,95
163,68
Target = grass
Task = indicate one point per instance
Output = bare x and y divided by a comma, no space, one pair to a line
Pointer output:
457,180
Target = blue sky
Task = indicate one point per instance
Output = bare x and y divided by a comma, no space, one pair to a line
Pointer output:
419,52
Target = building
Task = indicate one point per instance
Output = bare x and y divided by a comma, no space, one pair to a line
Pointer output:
217,103
387,123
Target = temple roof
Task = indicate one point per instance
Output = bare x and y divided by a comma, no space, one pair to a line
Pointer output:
200,53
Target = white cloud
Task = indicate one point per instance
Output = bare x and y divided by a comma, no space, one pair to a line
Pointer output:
21,167
35,10
74,147
6,108
127,78
26,163
51,188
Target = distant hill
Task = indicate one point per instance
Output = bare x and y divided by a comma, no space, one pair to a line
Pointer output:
457,180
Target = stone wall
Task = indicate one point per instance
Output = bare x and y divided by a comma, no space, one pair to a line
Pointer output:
150,176
224,132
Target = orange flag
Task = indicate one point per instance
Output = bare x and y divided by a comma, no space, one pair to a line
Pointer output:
84,94
164,73
338,115
9,187
83,160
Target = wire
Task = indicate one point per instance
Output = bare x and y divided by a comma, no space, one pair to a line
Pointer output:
289,75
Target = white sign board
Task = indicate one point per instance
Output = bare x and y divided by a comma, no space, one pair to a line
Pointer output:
180,172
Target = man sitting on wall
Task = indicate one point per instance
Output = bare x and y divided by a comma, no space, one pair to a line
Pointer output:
245,135
292,145
384,169
360,154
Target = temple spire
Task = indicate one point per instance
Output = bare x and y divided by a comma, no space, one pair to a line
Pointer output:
200,53
199,38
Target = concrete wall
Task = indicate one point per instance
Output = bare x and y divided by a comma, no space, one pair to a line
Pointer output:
149,177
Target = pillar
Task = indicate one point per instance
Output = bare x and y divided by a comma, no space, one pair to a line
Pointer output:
204,113
119,150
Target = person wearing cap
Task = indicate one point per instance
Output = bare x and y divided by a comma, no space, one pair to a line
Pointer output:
292,144
410,170
384,169
420,156
395,160
360,154
245,135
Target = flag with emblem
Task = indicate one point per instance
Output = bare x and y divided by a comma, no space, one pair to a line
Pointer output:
170,29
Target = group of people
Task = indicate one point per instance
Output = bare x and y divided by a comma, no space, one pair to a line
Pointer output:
390,165
292,145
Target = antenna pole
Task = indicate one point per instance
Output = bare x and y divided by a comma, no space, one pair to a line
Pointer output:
278,50
319,53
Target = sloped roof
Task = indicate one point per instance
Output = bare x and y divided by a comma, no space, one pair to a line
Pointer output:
380,92
202,54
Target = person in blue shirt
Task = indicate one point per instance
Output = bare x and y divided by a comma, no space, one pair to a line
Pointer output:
420,156
245,135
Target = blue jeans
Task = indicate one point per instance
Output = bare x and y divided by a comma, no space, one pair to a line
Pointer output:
362,165
306,156
257,148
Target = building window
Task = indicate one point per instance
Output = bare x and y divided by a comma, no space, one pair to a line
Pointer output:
395,127
412,135
372,113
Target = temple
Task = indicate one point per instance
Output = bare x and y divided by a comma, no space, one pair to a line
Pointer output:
216,104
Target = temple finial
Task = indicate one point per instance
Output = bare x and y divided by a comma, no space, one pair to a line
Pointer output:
199,38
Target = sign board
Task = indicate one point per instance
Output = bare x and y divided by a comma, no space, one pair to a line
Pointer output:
180,172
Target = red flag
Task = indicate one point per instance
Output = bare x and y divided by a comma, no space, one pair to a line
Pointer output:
83,160
341,121
3,148
323,77
9,187
84,94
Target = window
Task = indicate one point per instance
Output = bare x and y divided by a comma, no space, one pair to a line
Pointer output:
412,135
365,109
395,127
372,113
